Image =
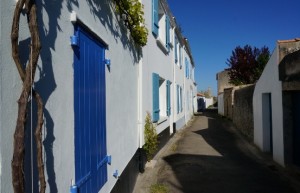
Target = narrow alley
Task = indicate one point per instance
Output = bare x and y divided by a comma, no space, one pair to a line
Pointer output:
209,156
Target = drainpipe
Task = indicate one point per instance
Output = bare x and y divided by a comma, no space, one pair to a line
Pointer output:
140,102
184,87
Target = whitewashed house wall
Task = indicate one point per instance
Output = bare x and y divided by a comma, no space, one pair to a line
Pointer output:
269,84
128,82
56,87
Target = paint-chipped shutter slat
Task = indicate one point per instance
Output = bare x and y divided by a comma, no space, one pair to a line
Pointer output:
155,25
155,97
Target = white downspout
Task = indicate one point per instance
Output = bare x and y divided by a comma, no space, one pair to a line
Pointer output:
140,102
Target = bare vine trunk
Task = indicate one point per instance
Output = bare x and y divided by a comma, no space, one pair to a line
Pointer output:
27,77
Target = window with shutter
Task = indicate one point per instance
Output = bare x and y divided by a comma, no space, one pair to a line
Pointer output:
168,98
90,114
155,97
178,107
181,100
186,67
155,25
167,33
176,49
180,54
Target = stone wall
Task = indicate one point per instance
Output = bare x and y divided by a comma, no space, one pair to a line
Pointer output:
242,113
228,102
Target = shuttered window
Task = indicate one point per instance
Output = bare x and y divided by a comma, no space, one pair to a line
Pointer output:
180,60
176,50
168,98
155,97
155,25
177,90
167,33
90,114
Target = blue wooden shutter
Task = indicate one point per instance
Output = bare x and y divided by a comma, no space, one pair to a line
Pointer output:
178,108
186,67
180,60
176,54
167,33
181,101
155,97
168,98
90,114
155,17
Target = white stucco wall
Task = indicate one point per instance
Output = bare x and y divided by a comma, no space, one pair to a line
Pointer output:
209,102
128,87
55,83
269,83
155,60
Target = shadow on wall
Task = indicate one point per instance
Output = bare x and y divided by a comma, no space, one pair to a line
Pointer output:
102,11
46,84
234,171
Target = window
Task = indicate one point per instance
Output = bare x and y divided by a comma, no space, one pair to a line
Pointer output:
179,99
180,55
90,111
176,50
168,87
155,97
186,68
161,97
161,25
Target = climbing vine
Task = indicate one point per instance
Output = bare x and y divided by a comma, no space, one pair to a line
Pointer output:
27,76
132,13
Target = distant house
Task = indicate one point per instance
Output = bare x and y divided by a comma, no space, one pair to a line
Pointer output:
223,83
276,105
93,135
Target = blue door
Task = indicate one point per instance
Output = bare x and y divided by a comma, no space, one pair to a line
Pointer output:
90,118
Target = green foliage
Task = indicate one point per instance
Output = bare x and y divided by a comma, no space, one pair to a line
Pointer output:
133,14
151,140
247,64
159,188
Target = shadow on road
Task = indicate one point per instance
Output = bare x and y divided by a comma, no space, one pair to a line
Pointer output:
235,170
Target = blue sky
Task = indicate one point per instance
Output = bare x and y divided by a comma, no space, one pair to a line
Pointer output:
215,27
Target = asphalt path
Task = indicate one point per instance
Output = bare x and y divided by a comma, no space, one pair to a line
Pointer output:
210,156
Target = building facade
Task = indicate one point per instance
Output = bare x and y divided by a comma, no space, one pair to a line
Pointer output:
97,87
276,104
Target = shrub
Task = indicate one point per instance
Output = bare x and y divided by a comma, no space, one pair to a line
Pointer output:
150,136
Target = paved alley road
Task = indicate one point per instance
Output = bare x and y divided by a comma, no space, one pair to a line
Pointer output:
210,157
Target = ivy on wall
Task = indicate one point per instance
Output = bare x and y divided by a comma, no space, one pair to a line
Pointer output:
132,13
